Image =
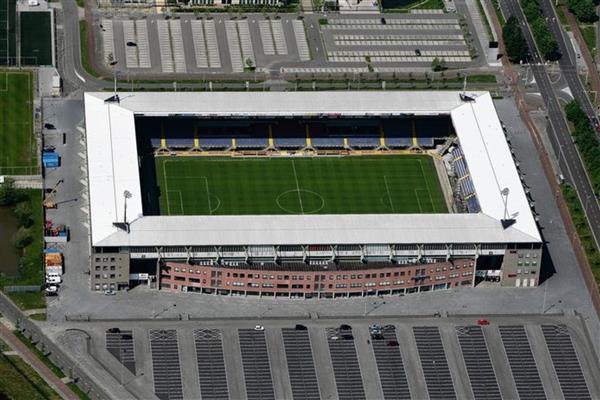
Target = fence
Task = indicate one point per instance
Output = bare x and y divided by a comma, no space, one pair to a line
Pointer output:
22,288
51,350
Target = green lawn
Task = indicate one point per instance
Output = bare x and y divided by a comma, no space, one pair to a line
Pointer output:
36,38
28,300
17,144
318,185
589,36
19,381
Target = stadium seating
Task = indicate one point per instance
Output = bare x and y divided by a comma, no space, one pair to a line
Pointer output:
290,142
155,143
398,142
252,143
473,205
215,143
364,141
328,142
180,143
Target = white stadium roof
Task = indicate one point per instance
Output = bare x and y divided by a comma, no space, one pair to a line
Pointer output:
113,169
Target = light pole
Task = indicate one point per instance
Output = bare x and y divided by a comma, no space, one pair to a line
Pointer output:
114,65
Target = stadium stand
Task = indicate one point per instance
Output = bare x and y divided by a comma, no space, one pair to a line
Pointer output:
209,143
465,182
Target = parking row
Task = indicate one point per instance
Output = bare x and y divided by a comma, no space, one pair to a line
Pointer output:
392,21
403,355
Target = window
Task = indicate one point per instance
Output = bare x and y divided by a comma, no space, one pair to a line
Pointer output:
112,267
112,276
97,268
97,276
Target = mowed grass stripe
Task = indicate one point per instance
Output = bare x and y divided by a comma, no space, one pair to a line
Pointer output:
319,185
17,145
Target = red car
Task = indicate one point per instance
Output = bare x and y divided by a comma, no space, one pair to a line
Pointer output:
483,322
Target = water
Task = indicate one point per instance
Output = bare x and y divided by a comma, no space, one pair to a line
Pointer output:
9,258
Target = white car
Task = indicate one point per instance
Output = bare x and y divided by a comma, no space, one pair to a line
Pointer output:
259,328
53,279
51,289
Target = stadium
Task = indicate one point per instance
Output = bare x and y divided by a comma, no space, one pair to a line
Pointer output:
305,194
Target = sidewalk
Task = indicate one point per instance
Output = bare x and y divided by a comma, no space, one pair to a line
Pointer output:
30,358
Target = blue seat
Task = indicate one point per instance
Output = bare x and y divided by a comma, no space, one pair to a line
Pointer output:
155,142
251,143
473,205
180,143
363,141
398,141
328,142
290,142
425,141
215,143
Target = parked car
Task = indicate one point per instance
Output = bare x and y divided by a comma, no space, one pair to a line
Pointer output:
51,289
53,278
49,126
300,327
109,292
131,44
114,330
259,328
483,322
418,52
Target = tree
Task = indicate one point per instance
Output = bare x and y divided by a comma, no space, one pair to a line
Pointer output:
9,195
23,238
514,41
249,63
584,10
438,64
23,213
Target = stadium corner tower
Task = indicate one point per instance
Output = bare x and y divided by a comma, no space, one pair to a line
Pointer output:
305,194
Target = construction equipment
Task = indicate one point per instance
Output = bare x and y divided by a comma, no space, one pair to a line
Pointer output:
49,201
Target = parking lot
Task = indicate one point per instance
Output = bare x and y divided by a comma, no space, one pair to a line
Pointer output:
397,358
151,45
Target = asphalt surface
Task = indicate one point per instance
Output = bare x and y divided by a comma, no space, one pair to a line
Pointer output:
331,359
569,160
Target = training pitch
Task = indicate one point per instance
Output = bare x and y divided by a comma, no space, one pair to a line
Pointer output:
17,144
317,185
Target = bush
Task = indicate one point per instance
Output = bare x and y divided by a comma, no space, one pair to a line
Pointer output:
9,194
584,10
514,41
23,238
23,213
438,64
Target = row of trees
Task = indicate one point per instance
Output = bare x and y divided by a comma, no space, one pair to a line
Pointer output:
587,142
543,37
10,196
584,10
514,41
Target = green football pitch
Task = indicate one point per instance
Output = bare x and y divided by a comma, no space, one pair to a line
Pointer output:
17,144
317,185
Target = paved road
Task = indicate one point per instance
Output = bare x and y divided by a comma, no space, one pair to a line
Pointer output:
567,61
59,386
569,159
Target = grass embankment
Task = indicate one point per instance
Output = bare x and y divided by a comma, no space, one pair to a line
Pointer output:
583,230
85,61
19,381
589,36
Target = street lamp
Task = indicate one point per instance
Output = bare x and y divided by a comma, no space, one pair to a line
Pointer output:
114,64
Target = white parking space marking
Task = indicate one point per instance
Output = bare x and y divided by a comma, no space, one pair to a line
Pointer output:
301,43
279,37
108,41
199,44
131,60
233,42
266,37
212,46
143,47
164,43
177,43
